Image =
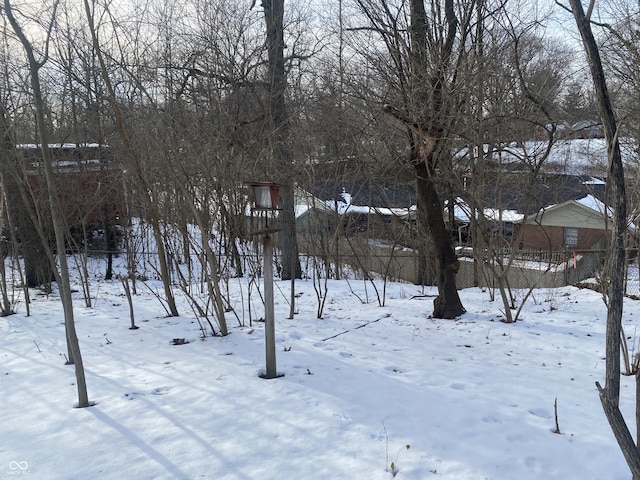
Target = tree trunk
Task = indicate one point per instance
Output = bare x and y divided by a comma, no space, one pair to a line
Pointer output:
447,304
21,208
431,212
110,243
610,394
137,168
213,282
62,276
428,124
274,20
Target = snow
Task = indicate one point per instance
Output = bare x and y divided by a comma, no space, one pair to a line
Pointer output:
462,213
388,212
593,203
471,398
581,156
72,163
575,156
344,205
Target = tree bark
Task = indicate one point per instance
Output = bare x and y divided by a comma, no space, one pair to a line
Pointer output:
21,208
279,115
431,145
610,394
447,304
62,275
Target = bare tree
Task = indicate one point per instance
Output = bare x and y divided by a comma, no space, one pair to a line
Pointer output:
510,135
135,163
62,275
423,67
280,128
620,47
7,158
21,198
610,393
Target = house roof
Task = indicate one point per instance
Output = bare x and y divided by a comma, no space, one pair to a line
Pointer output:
507,200
590,204
68,156
462,213
363,194
513,193
592,207
344,202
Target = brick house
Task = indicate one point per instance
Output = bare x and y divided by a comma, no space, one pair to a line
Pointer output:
577,224
560,212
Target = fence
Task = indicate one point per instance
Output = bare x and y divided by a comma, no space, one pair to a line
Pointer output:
550,270
526,269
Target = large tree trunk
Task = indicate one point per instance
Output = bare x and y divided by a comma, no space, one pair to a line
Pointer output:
447,304
431,214
274,20
21,208
430,127
610,394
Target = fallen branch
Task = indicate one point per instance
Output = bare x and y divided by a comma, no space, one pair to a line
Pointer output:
356,328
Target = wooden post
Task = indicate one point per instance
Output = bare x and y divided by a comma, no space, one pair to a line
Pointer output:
269,321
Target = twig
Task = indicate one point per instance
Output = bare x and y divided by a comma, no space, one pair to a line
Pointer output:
555,410
356,328
386,436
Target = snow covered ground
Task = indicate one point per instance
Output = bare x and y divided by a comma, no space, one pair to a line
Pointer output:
364,387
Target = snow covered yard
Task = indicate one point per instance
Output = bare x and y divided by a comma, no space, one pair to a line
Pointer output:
363,387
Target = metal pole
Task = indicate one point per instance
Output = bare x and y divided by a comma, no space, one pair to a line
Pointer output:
269,322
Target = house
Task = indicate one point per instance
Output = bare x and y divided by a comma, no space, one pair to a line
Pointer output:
90,185
357,208
576,224
559,212
91,199
359,226
313,215
558,244
587,129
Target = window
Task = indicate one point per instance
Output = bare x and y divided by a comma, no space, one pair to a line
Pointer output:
570,236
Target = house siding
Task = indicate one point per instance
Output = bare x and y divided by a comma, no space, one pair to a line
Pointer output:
537,237
573,215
